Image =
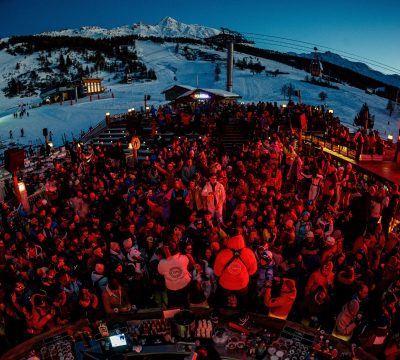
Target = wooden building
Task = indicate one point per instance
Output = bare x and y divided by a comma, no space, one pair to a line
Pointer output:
92,86
57,94
174,91
206,96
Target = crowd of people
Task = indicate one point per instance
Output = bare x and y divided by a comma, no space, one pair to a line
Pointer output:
267,227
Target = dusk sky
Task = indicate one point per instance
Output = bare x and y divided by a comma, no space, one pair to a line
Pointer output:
367,29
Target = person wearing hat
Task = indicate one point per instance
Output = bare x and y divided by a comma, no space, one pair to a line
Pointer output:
265,270
329,249
310,253
280,306
325,222
348,319
321,277
303,226
233,266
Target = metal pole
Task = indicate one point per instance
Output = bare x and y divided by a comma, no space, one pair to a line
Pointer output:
229,68
16,187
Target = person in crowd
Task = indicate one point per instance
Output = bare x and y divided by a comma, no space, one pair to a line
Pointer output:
315,308
214,197
280,306
175,270
115,298
233,266
323,277
348,319
89,305
113,226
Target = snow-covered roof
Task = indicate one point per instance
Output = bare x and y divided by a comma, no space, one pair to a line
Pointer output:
218,92
222,93
188,87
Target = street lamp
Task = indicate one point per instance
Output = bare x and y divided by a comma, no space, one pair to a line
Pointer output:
21,186
23,196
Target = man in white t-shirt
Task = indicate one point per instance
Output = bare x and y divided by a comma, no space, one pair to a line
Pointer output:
174,268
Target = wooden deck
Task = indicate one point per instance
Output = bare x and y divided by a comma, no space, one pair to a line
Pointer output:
388,170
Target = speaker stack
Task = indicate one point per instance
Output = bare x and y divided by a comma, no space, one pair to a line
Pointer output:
14,159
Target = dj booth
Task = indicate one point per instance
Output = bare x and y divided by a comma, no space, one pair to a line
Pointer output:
175,334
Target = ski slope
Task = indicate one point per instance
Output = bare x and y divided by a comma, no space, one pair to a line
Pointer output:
170,68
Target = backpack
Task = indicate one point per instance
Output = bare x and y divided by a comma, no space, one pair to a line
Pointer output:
236,255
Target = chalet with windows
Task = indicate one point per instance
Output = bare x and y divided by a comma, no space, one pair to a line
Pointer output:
92,86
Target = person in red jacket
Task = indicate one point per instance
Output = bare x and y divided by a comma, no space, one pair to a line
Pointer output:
280,306
233,266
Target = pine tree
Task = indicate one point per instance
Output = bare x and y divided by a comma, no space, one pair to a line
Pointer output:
258,68
217,72
284,90
61,64
323,96
390,107
68,61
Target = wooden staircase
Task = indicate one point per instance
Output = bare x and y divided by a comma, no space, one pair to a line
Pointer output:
233,135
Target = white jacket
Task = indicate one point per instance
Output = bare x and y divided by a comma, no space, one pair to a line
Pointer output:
209,199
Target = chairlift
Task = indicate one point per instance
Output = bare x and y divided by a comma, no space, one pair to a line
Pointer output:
315,66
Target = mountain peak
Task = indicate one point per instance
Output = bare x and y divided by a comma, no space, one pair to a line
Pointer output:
168,20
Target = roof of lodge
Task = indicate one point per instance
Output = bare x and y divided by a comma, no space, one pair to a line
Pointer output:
188,87
216,92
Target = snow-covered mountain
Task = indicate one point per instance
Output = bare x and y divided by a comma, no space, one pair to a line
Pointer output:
356,66
167,27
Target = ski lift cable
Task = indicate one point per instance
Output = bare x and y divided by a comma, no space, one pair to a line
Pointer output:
372,63
282,43
293,46
322,46
327,47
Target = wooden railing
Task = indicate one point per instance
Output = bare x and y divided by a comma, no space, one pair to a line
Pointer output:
319,141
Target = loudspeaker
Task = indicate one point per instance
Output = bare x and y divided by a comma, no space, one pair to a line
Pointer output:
45,132
14,159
